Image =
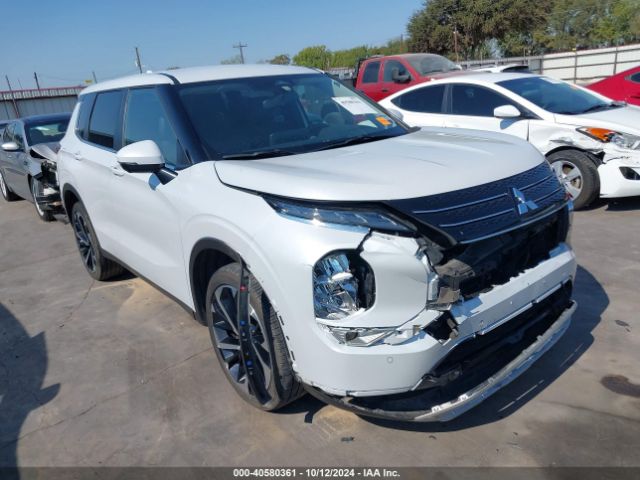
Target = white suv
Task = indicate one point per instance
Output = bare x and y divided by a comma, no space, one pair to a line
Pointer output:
328,247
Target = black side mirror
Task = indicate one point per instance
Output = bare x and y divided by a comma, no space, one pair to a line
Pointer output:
397,77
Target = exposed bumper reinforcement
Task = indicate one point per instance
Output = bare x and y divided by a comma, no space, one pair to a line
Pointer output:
451,409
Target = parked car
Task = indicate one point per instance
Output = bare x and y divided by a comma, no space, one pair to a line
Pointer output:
25,173
326,245
624,86
378,77
509,67
592,143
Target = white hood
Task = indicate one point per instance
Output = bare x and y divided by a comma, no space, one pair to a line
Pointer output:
624,119
426,162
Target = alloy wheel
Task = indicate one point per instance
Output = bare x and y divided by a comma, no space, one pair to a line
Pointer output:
3,186
226,334
83,239
569,176
36,190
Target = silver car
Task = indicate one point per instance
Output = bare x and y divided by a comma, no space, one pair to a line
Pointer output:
26,173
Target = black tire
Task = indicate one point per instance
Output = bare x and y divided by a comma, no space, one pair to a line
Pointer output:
586,187
279,386
93,259
7,194
36,189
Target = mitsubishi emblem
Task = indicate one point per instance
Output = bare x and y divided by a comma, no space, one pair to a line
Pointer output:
523,204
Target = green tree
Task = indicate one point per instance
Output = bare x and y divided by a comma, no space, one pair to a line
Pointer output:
282,59
590,24
231,60
318,56
472,24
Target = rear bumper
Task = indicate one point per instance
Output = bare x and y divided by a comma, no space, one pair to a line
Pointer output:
463,402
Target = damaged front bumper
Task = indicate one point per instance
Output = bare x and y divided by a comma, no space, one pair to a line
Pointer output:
422,405
620,175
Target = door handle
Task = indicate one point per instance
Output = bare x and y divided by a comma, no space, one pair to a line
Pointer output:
77,155
117,171
385,90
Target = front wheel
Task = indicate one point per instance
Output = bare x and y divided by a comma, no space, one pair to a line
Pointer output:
259,370
36,191
7,194
578,174
94,260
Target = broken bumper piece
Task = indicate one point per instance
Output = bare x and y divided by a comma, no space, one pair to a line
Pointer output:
472,379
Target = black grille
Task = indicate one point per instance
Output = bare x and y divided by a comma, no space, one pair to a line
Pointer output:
475,213
479,266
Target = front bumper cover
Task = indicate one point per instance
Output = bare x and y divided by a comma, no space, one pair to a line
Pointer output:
451,409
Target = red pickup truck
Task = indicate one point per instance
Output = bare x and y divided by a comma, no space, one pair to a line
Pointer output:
379,77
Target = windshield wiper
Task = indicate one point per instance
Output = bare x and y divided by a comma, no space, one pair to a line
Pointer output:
353,141
276,152
596,108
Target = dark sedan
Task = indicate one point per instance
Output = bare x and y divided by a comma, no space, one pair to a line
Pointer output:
22,171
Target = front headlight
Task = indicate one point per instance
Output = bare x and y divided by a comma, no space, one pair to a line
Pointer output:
343,284
604,135
368,218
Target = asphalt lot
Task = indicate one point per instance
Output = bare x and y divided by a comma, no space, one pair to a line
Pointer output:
95,374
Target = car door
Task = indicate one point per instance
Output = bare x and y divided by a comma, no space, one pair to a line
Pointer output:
17,163
471,106
370,80
143,216
632,88
421,107
392,71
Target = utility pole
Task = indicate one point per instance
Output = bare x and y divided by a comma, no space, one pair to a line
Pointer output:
95,80
35,76
138,62
13,99
455,44
240,46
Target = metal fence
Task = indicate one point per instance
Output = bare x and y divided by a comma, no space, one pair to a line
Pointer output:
582,66
22,103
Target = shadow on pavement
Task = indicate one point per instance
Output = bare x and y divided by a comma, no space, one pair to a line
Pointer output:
592,302
23,366
623,204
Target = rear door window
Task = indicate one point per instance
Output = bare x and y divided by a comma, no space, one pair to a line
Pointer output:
422,100
105,119
635,78
371,71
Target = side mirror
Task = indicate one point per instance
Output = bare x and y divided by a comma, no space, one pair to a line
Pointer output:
400,78
141,157
506,112
395,113
10,147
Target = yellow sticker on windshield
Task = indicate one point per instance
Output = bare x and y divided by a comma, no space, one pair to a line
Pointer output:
384,121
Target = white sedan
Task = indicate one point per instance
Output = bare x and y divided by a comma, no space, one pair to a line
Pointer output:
592,142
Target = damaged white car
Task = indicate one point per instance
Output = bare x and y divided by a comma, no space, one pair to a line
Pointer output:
329,248
592,142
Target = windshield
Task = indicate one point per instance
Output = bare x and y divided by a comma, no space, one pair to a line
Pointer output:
428,63
46,132
556,96
279,115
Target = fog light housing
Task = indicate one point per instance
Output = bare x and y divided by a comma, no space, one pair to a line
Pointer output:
343,284
359,337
